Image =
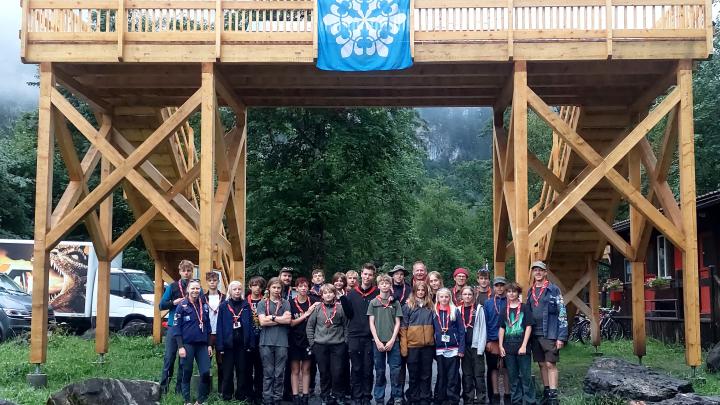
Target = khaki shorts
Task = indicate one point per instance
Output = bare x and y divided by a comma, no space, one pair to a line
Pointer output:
544,350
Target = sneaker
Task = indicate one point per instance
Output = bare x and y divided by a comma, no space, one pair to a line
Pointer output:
398,401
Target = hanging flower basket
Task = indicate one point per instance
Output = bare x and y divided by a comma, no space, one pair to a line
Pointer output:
613,284
616,295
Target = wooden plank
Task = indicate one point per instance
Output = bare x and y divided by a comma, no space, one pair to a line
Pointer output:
126,168
144,220
579,285
75,188
594,292
120,27
609,26
102,327
598,223
520,148
86,94
43,207
638,308
600,167
500,213
25,4
159,289
207,155
634,174
420,4
510,29
690,276
219,28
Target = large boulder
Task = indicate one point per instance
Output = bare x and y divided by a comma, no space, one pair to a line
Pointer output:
689,399
136,329
107,391
611,376
713,359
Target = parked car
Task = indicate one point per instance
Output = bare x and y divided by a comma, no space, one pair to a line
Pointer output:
16,309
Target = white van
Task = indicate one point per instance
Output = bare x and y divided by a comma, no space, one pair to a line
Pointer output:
131,298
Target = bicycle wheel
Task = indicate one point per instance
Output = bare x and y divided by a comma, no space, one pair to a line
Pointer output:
613,330
586,333
577,330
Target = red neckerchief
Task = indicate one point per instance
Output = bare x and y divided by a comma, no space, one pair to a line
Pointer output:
402,297
447,318
469,324
497,310
297,305
277,307
329,319
198,313
362,294
536,298
517,314
235,317
454,294
389,301
414,279
182,293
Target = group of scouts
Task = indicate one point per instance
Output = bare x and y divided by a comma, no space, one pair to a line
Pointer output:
480,337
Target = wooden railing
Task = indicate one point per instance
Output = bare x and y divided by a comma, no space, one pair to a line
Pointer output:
291,21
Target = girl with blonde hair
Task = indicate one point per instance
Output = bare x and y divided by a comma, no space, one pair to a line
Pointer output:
449,347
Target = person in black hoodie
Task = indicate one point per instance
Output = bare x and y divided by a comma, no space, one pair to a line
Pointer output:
233,339
360,341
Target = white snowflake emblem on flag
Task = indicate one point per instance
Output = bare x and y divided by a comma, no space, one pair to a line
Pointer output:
364,27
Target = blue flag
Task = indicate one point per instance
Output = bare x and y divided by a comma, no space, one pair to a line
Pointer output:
363,35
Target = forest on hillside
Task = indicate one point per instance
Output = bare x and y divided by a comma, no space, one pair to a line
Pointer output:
339,187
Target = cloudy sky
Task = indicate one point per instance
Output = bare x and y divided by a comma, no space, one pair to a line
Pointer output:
14,75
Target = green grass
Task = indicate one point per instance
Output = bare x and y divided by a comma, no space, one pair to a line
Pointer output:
72,359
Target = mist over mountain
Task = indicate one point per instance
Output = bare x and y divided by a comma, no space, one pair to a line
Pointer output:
457,134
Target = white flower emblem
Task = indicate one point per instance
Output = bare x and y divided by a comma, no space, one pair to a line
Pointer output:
364,27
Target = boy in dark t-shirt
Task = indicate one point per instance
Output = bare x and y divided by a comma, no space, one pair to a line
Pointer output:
515,330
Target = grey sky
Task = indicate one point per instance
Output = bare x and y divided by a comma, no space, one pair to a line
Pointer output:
14,74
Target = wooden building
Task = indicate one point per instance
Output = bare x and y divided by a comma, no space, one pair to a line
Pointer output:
590,68
664,305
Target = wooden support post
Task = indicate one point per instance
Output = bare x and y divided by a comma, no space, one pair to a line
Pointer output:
25,4
638,308
43,210
207,166
157,316
520,168
240,196
102,320
499,208
120,26
594,301
686,153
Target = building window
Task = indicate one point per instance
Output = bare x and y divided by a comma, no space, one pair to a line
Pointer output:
664,257
628,270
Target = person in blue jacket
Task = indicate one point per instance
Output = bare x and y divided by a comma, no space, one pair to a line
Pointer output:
192,333
173,295
234,339
449,347
494,312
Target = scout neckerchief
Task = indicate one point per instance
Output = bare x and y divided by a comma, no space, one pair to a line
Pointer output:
517,314
329,319
235,317
289,293
362,294
469,323
198,313
277,307
299,308
215,310
536,297
389,301
182,293
445,328
497,311
402,297
454,295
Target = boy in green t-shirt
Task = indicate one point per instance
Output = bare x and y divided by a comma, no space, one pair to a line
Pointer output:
515,330
384,316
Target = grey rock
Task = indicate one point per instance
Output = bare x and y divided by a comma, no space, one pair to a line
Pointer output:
689,399
136,329
713,359
107,391
611,376
6,402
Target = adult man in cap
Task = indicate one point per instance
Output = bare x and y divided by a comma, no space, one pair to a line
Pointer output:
460,275
550,332
483,290
286,276
494,314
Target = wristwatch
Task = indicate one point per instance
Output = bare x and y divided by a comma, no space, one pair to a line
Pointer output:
273,318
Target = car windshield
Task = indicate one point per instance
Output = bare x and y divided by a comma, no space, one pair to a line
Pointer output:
6,283
142,282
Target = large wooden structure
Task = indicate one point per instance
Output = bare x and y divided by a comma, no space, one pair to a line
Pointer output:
145,66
